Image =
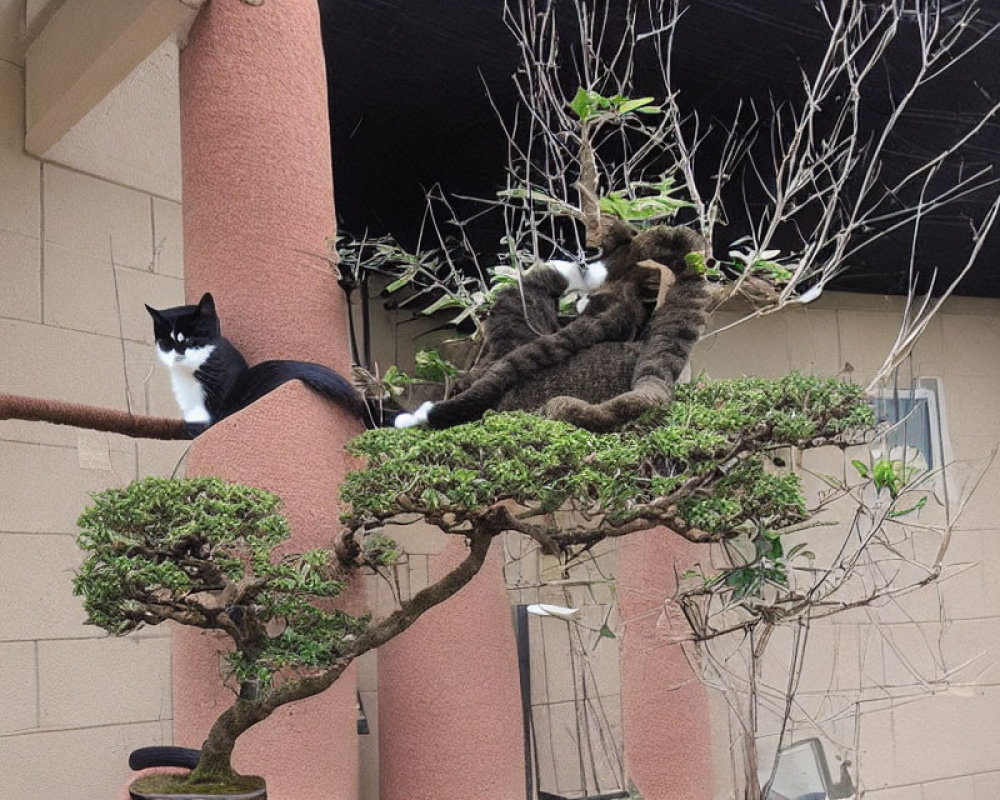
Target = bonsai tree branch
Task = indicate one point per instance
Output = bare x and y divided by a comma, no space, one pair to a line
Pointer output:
217,750
95,418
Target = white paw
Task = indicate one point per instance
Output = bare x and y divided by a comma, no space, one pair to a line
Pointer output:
418,417
581,279
595,275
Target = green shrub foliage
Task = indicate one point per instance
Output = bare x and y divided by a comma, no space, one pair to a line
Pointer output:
208,553
204,552
708,451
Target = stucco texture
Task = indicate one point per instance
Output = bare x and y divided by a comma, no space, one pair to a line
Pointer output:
258,211
449,698
665,715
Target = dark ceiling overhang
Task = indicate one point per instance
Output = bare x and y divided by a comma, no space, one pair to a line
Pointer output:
415,89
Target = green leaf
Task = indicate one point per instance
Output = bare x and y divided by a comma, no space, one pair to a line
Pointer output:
445,301
606,632
915,507
583,103
400,282
696,263
633,105
800,549
861,467
430,366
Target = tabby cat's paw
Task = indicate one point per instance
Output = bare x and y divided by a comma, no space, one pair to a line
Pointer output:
581,278
564,408
418,417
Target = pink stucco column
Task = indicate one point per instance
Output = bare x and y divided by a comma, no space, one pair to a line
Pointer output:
665,713
449,699
258,210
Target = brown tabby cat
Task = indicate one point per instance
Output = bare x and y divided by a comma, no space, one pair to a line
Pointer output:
606,366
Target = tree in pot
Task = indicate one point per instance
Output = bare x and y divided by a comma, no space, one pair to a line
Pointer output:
207,553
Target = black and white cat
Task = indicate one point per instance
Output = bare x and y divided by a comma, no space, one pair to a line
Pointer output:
212,380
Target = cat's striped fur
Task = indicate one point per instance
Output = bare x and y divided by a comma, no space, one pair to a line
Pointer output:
525,346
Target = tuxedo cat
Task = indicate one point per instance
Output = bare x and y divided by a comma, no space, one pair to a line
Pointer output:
212,380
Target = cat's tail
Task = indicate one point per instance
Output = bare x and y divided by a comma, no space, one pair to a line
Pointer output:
269,375
610,317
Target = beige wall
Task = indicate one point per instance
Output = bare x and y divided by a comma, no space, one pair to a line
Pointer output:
922,670
73,703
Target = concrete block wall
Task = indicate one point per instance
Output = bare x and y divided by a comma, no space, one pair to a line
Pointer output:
908,689
80,257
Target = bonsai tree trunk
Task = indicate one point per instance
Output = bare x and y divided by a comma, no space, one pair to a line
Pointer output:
216,760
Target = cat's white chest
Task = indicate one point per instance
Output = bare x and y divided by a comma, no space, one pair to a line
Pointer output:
190,396
188,390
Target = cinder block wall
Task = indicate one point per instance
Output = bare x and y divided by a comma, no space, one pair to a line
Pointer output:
74,703
910,688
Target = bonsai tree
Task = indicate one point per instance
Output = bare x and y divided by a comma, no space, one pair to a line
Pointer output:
714,468
207,553
697,467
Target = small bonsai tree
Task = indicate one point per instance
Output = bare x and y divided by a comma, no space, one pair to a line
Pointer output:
206,553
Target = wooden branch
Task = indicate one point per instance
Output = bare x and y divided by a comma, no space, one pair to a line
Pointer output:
391,626
37,409
587,185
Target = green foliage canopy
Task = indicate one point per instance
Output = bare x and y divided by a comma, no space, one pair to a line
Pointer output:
703,457
204,552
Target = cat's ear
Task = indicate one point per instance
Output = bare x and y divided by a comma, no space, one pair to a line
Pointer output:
156,315
207,304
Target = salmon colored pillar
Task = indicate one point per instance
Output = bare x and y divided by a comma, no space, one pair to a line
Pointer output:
449,703
258,211
665,715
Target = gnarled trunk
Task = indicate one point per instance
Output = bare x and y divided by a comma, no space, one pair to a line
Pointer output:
216,761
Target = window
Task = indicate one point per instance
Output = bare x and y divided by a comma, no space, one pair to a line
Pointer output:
917,440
